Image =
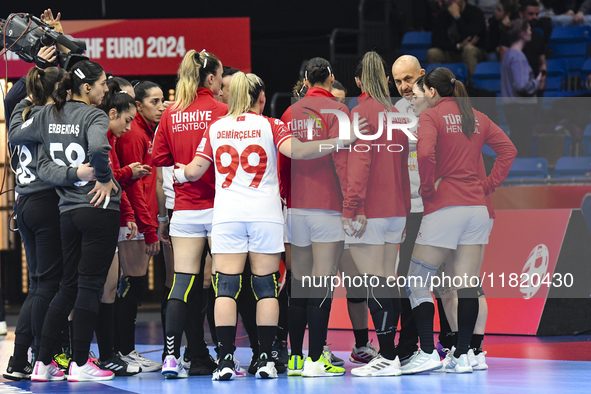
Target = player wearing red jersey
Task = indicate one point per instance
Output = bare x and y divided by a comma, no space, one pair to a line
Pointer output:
448,305
451,136
247,216
314,203
134,255
377,201
180,131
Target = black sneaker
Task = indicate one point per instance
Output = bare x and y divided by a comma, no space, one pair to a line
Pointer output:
18,369
118,366
252,368
280,352
225,369
204,365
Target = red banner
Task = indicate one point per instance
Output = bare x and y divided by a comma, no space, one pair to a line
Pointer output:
153,46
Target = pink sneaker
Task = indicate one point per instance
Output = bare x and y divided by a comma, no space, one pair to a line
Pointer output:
46,373
89,372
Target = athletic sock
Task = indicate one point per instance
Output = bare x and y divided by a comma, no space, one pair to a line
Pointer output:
423,315
226,339
317,327
163,303
104,330
176,315
385,319
476,343
266,335
298,320
361,337
467,316
125,319
194,330
246,306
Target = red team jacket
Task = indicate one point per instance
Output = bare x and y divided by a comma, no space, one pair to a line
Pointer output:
123,177
318,183
136,146
378,180
177,139
445,152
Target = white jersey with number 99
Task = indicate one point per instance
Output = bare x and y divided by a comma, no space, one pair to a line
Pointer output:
244,153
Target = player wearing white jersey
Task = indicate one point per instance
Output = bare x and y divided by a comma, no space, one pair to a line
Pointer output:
247,214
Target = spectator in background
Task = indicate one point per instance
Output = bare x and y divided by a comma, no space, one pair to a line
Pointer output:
488,7
518,88
536,49
582,17
506,11
459,36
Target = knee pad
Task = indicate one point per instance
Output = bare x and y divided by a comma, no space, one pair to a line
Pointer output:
418,282
181,287
355,294
471,292
131,288
266,286
226,285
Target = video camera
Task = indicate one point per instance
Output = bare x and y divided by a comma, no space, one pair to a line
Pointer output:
25,35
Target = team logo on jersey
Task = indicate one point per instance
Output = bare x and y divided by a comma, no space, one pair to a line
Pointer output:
27,123
241,119
201,146
150,146
534,271
316,117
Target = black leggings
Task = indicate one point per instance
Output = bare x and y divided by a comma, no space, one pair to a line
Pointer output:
89,239
38,219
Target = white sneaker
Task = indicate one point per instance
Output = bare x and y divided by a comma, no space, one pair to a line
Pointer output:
46,373
477,362
334,360
445,362
144,363
457,365
173,368
407,360
363,354
3,328
379,366
421,362
89,372
266,368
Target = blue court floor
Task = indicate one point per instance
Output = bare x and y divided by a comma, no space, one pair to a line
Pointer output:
505,376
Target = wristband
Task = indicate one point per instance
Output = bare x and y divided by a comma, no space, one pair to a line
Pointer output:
179,175
162,219
340,143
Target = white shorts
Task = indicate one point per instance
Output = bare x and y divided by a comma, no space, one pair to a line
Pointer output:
452,226
191,223
380,231
242,237
491,222
314,225
124,232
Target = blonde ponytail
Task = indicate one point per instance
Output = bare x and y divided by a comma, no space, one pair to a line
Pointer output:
245,90
192,74
373,78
